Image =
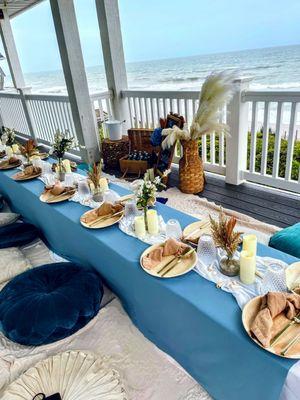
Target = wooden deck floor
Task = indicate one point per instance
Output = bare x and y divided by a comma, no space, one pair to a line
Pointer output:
267,205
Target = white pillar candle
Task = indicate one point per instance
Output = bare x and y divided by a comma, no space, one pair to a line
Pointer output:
9,151
152,220
250,243
103,184
139,226
67,166
15,148
247,267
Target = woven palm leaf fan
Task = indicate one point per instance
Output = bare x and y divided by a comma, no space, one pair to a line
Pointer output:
74,374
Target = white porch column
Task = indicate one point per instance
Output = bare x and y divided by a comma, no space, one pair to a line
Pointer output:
16,73
66,28
11,52
113,54
236,144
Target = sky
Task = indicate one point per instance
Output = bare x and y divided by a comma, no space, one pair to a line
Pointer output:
158,29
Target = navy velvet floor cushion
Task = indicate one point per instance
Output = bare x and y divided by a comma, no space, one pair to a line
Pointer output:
17,234
49,303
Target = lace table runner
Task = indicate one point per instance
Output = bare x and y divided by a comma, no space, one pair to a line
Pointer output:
242,293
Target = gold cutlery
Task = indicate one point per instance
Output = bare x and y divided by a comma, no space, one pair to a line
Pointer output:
60,195
296,320
104,217
290,344
169,266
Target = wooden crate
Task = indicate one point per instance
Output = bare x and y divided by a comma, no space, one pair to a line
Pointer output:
137,167
140,140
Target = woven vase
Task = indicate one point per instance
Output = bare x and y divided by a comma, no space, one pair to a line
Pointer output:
191,174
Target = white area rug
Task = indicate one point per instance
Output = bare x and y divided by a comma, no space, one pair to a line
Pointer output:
147,372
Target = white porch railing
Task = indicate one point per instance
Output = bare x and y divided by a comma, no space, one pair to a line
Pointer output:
275,110
253,153
46,114
146,107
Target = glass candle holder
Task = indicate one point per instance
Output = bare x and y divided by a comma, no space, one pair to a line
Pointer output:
83,189
69,180
130,210
206,250
274,279
173,229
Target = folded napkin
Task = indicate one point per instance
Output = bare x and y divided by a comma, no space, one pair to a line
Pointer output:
103,210
170,248
57,189
31,170
273,304
13,160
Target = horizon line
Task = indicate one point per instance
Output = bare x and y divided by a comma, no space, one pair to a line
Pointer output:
172,58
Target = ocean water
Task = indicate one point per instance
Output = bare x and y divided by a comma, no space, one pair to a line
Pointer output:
271,68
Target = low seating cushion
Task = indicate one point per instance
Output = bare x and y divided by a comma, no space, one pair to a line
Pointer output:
49,303
287,240
7,218
12,263
17,234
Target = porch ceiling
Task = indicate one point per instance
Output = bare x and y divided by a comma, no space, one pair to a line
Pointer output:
15,7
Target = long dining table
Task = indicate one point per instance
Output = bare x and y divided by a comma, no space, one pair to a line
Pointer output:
189,318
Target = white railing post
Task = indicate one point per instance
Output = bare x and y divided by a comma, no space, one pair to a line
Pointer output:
28,115
236,143
113,55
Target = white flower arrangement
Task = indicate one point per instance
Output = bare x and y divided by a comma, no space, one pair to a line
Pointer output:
146,189
216,91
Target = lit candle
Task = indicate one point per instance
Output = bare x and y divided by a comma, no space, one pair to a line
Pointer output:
15,148
139,226
152,222
9,151
247,267
250,243
103,184
67,166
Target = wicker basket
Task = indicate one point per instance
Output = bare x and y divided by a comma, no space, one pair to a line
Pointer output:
191,174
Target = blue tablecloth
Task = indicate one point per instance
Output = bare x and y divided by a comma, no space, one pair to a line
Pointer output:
187,317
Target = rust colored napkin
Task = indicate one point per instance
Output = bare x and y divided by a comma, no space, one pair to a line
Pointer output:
104,209
273,304
57,189
31,170
170,248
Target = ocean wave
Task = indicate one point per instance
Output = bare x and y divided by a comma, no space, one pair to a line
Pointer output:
178,80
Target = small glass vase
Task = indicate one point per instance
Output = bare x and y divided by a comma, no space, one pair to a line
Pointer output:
60,171
145,217
97,195
229,266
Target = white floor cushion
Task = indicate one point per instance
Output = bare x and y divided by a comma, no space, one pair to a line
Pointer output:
12,263
7,218
73,374
146,372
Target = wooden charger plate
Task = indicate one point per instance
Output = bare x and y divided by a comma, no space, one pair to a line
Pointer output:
250,311
203,226
185,266
46,196
101,224
4,165
19,176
